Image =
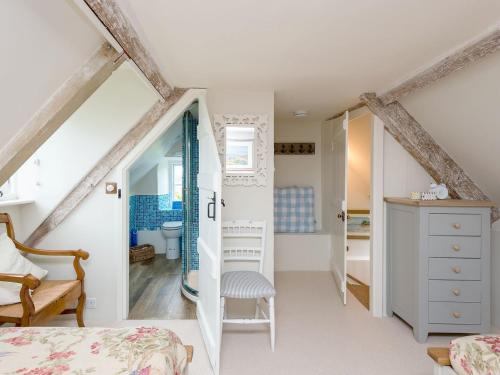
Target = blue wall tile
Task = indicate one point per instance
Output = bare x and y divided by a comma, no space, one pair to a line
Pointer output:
149,212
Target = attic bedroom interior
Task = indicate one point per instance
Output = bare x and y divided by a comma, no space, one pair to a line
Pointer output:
247,187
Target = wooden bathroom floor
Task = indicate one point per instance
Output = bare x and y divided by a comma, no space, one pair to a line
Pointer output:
155,291
359,290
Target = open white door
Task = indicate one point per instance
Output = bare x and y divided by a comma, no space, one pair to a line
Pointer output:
339,202
210,238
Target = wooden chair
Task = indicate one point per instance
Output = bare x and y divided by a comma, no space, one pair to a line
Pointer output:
245,241
49,297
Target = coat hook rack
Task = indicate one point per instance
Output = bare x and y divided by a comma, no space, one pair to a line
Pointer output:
294,148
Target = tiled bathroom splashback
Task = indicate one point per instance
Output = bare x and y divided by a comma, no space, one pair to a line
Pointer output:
149,212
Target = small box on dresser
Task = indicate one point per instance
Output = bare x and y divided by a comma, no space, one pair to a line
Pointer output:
438,262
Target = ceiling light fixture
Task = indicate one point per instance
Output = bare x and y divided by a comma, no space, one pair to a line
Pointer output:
301,113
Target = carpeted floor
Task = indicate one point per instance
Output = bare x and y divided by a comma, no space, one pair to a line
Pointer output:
317,335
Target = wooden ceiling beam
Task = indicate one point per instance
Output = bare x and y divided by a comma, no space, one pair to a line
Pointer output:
58,108
117,23
419,143
461,58
89,182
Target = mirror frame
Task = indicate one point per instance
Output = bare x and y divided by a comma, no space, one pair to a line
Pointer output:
259,123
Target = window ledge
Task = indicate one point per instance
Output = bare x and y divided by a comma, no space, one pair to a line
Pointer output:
15,202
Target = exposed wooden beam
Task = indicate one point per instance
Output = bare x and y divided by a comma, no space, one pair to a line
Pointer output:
66,100
117,23
461,58
350,109
415,139
88,183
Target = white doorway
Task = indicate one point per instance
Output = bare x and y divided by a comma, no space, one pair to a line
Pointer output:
355,182
209,244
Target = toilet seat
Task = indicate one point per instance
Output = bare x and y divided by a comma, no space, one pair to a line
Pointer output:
171,225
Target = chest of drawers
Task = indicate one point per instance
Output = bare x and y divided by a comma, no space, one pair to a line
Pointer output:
438,265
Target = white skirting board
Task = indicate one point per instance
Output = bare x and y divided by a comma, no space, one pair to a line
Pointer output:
301,252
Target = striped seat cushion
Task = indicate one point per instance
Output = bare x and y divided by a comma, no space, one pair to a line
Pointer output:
246,284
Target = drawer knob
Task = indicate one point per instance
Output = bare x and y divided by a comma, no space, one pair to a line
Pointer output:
456,269
456,291
456,247
456,315
457,225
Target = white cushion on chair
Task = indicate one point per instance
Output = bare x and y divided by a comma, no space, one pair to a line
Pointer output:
246,284
11,261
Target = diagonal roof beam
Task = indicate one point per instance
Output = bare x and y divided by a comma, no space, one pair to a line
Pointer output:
88,183
58,108
117,23
459,59
415,139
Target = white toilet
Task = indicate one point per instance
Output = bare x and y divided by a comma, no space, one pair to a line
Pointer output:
172,231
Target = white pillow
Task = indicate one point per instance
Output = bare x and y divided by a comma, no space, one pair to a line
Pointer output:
11,261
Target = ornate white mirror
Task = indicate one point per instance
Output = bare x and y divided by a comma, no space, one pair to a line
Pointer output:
242,144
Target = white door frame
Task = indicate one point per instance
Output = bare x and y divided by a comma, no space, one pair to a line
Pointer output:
377,247
122,210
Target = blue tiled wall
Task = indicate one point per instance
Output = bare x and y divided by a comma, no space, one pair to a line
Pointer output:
149,212
190,129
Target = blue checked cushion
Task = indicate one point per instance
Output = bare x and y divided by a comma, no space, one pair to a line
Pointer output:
246,284
294,210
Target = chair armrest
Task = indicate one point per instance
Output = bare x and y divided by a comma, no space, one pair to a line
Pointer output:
440,355
75,253
28,280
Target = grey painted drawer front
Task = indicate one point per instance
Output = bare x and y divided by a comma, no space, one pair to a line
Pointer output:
455,224
454,247
454,313
454,291
454,269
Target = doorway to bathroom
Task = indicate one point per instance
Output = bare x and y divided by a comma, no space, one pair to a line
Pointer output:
164,224
358,264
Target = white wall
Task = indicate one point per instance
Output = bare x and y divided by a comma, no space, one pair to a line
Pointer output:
43,44
300,170
359,173
254,203
148,184
82,140
402,174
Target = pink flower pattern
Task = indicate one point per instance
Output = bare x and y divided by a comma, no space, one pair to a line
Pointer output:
476,355
53,350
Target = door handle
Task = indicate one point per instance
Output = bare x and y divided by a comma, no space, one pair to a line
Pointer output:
212,205
341,216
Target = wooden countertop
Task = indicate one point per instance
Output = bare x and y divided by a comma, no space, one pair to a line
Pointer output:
440,202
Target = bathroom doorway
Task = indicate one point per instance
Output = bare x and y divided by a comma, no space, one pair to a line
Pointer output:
359,189
164,224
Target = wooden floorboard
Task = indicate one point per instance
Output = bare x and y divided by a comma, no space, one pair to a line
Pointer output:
360,290
155,291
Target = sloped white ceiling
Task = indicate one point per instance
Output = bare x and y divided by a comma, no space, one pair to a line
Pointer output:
42,43
318,55
462,113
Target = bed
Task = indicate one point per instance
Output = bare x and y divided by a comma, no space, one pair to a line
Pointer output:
61,350
469,355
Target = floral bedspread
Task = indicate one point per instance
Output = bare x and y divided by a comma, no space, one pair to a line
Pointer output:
476,355
55,351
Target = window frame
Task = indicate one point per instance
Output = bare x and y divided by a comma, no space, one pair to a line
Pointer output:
9,193
172,164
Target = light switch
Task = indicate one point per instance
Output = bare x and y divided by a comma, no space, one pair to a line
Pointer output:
111,187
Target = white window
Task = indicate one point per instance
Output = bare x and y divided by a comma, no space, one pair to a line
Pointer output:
8,190
175,179
240,149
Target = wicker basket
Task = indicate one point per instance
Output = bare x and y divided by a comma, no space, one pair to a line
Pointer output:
141,253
